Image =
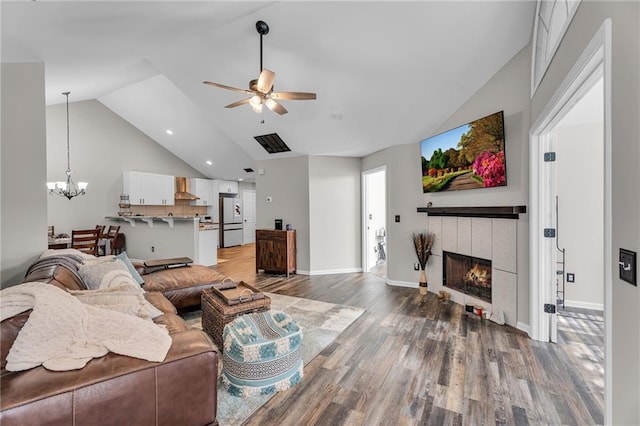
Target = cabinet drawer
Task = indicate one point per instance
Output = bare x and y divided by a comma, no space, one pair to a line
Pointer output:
271,235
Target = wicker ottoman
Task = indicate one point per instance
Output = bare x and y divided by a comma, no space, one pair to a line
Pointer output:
262,354
216,313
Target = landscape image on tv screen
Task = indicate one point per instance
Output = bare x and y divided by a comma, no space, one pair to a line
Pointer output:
467,157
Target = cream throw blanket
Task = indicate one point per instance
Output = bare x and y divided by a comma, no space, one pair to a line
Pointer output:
62,333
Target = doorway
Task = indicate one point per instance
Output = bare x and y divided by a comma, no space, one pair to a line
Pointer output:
374,241
249,216
589,77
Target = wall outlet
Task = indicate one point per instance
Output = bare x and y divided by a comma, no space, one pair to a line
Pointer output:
416,266
571,277
627,266
397,218
153,249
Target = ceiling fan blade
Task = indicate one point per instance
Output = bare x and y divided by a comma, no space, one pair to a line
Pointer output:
276,107
235,104
224,86
265,81
294,96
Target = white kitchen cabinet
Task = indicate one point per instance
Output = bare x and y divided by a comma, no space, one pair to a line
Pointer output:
202,188
227,187
149,189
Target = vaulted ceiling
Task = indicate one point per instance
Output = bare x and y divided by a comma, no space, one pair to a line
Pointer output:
385,73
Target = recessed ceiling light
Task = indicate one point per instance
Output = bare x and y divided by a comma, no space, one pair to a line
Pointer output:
240,179
209,162
169,132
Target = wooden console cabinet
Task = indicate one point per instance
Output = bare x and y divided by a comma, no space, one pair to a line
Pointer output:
276,251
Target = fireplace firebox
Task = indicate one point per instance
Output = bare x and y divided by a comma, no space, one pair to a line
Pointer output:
467,274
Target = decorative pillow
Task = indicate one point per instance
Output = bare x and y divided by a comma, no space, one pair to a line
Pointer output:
132,269
92,274
120,298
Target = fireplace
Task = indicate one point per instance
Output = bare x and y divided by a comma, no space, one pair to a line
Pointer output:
467,274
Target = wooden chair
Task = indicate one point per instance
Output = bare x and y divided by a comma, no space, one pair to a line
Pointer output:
86,240
110,236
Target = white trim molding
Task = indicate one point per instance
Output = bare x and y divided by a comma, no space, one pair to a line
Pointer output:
594,63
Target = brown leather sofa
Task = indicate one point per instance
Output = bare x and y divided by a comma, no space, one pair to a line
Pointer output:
182,286
116,389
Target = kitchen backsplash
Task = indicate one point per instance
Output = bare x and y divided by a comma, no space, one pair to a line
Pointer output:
181,208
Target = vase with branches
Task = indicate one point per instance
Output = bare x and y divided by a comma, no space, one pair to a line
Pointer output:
422,243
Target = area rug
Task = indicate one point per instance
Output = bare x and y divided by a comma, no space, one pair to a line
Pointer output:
321,323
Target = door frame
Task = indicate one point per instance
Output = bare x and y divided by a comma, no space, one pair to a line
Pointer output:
365,220
593,64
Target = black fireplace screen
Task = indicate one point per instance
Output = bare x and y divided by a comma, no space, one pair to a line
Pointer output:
467,274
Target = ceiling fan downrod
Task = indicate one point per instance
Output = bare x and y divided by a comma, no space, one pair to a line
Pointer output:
262,29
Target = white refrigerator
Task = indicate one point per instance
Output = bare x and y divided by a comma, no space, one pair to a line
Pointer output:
231,222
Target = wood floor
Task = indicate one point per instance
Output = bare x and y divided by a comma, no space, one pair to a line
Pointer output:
412,360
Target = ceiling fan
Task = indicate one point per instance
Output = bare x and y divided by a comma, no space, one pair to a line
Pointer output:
261,89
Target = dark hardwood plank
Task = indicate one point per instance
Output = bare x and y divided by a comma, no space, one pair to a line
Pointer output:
414,360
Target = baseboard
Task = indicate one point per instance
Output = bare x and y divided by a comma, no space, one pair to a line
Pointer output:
402,283
524,327
330,271
584,305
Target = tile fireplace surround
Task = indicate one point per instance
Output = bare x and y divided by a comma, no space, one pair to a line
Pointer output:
487,238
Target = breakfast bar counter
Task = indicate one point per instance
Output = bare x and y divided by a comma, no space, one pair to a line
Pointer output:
162,237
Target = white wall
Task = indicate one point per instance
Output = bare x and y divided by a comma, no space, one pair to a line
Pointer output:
103,146
625,131
580,177
334,215
286,181
23,218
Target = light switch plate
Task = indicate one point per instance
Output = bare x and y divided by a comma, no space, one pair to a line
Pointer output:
571,277
397,218
627,266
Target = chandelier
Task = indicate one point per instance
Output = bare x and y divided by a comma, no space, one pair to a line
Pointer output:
67,188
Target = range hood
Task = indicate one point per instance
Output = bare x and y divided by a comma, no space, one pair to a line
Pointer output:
182,190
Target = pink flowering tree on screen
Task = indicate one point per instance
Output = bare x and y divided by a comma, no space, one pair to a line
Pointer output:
490,167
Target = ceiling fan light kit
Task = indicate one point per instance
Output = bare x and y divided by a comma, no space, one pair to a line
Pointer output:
261,89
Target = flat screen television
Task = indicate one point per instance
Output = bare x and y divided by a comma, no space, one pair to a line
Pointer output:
468,157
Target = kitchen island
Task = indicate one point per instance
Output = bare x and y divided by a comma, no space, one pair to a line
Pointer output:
162,237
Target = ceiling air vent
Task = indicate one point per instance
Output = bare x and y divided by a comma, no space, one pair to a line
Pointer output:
272,143
248,170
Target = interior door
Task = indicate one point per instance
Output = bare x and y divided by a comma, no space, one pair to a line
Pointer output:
249,216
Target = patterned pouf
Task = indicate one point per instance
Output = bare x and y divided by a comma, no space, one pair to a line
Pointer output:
262,354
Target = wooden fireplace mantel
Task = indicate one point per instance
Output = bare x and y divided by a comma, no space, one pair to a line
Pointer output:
498,212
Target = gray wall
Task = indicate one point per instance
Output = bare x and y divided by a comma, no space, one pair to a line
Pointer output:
286,181
103,146
23,207
320,198
507,90
625,97
334,215
404,195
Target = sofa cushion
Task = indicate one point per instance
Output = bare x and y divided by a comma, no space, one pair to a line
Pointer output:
182,286
159,301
